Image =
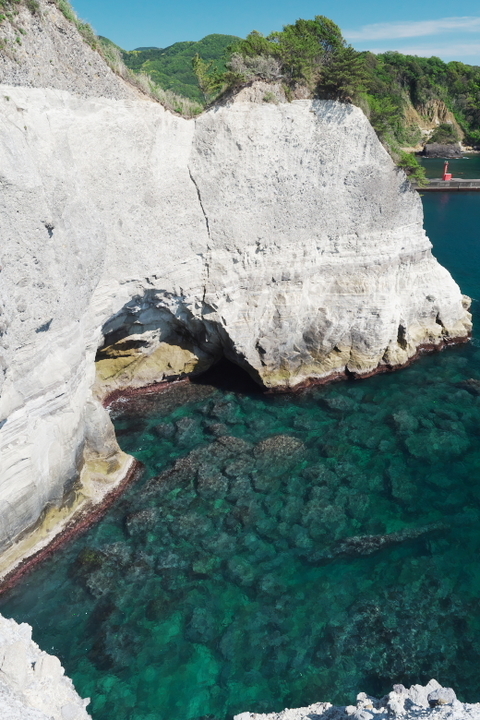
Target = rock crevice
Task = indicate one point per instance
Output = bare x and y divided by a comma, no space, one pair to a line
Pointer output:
207,225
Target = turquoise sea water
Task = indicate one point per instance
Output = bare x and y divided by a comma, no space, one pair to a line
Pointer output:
281,550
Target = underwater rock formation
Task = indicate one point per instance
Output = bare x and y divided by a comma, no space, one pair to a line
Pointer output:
278,235
429,701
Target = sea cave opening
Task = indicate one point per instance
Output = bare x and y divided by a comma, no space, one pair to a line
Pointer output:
279,550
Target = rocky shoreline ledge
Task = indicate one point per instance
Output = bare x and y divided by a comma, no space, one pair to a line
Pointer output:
33,686
33,549
429,702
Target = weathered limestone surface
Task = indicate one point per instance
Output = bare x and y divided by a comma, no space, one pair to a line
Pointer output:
317,243
280,235
429,702
32,683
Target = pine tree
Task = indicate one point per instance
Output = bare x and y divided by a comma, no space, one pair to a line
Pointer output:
343,77
210,80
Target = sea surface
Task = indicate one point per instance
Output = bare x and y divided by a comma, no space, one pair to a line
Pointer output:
281,550
467,167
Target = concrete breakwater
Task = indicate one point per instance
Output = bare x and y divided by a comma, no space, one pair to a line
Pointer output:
453,185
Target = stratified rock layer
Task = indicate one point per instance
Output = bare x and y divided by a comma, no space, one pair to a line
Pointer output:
429,702
279,235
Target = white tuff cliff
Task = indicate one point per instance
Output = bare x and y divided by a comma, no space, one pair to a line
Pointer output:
33,685
44,49
277,234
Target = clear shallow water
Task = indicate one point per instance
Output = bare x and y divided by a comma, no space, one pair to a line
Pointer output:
231,577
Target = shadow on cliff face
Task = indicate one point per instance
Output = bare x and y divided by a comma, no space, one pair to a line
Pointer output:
145,321
229,377
155,338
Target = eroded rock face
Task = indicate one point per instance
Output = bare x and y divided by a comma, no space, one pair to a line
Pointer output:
428,701
437,150
310,182
44,49
32,683
280,235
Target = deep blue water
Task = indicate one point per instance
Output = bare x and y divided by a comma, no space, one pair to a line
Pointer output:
284,550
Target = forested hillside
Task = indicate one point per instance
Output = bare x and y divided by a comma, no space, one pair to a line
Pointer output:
409,100
406,97
171,67
438,92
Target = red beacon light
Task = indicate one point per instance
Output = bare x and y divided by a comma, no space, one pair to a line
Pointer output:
446,174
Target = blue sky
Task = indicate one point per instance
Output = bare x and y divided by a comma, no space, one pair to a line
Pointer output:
448,30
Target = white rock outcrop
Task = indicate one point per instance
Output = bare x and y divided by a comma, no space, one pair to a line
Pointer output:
33,685
44,49
429,702
280,235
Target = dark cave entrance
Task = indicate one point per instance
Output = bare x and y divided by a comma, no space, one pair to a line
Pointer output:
227,376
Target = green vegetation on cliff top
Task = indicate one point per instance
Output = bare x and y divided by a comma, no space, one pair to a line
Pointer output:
309,53
404,96
388,86
398,82
171,67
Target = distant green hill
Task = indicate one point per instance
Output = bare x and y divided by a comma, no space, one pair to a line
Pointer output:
106,42
171,67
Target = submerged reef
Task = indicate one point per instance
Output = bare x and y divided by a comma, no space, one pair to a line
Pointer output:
278,549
